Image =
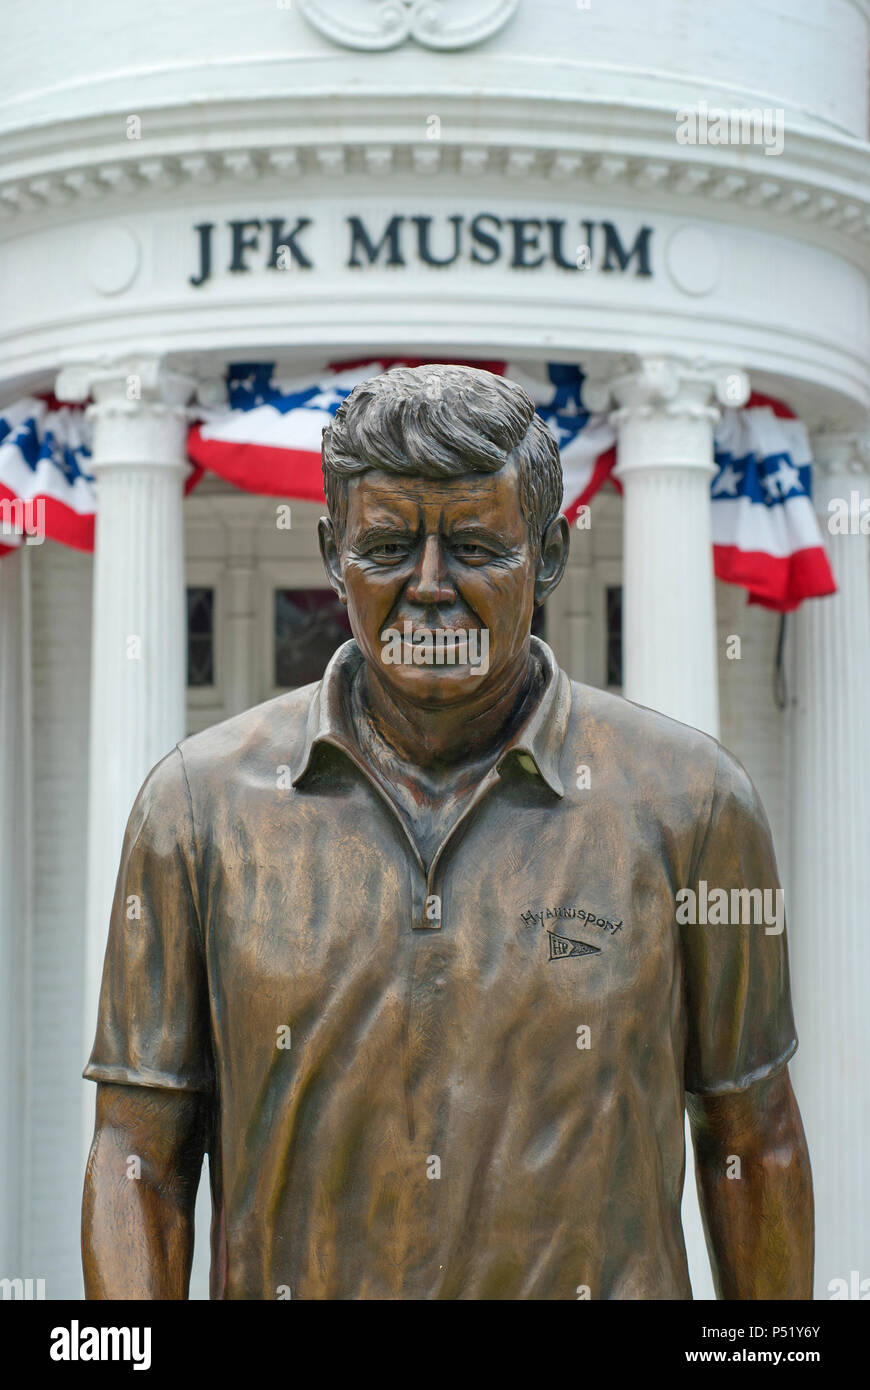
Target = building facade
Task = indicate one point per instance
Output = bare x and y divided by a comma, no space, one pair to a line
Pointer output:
182,189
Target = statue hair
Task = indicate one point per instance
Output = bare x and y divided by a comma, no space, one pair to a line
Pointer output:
438,422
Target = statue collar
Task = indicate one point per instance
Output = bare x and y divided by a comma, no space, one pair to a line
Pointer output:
537,744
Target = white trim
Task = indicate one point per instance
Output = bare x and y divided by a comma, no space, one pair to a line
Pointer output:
48,171
207,704
280,574
27,924
604,574
16,913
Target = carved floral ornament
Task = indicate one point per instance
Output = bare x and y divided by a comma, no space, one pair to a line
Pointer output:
380,24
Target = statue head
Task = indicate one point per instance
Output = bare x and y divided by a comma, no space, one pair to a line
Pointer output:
443,487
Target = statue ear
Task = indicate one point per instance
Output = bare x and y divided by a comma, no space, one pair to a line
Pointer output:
331,561
553,558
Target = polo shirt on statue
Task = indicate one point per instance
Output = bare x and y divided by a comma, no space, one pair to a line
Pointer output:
482,1105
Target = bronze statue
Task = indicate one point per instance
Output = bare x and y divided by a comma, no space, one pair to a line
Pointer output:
408,953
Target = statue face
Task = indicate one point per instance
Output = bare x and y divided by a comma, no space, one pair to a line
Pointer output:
452,557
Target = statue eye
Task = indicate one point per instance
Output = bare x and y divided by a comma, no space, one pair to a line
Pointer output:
388,550
471,550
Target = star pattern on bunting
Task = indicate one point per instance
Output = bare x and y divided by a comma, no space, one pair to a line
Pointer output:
564,414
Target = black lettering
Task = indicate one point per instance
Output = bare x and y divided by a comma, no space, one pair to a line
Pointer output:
361,238
523,242
282,237
588,229
614,247
485,239
424,250
241,244
557,227
205,230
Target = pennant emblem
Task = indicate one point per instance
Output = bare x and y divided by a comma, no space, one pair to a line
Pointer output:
561,947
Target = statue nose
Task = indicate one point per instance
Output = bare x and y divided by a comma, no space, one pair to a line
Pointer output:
430,583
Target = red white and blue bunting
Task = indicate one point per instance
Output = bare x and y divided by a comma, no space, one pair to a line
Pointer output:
766,536
46,490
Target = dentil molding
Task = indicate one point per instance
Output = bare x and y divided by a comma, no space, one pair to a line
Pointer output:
793,201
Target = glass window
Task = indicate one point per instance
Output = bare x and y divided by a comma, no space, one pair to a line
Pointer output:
613,601
200,636
309,625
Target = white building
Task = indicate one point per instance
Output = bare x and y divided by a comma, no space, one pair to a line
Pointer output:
126,128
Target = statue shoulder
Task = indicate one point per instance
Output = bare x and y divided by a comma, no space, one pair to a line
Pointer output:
643,740
266,734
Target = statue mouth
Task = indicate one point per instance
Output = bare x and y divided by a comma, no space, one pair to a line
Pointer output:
436,646
457,622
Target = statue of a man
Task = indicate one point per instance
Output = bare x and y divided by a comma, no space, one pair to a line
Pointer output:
404,952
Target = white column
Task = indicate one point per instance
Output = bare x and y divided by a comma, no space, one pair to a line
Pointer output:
15,911
138,676
830,899
664,422
665,463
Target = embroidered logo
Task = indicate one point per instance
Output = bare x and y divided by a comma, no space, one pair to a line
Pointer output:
572,914
563,947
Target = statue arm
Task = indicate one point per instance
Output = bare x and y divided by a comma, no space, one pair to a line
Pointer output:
137,1232
759,1225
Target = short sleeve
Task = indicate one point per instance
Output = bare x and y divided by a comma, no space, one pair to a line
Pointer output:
740,1027
153,1023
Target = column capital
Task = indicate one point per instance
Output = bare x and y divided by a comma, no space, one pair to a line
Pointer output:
676,387
139,408
126,384
666,409
838,452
